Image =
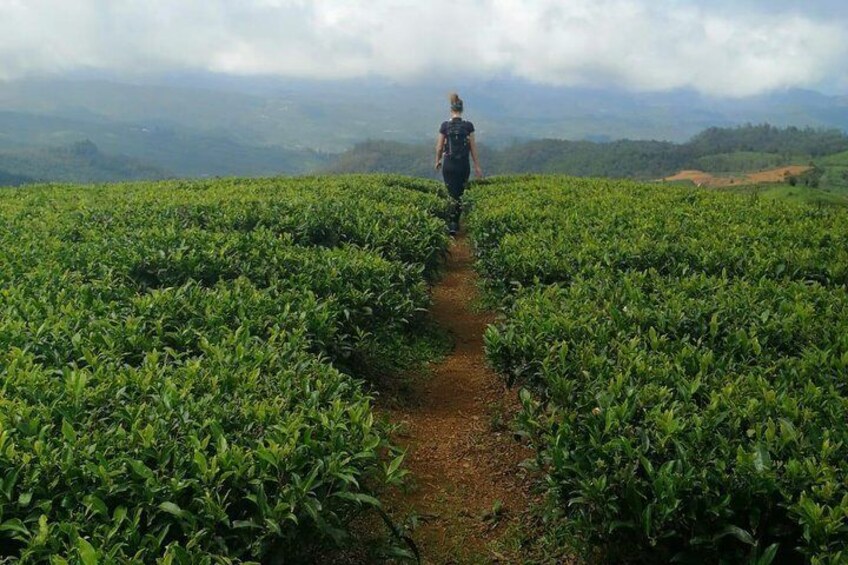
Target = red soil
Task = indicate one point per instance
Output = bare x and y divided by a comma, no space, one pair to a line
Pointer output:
461,466
701,178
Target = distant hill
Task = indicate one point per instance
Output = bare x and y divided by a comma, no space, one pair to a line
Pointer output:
80,162
385,157
747,148
9,179
179,151
766,138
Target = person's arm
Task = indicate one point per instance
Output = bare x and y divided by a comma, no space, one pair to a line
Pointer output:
440,149
472,143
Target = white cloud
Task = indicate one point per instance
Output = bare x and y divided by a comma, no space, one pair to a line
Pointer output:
637,44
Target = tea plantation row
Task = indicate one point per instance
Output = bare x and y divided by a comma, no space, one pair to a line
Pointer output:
685,358
180,362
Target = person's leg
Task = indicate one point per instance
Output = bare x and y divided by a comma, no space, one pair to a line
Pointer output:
463,174
455,185
456,207
466,175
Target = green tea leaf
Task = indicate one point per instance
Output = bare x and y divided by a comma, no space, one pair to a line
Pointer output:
87,553
171,508
69,432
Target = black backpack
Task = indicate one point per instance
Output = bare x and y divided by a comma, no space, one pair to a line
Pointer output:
457,141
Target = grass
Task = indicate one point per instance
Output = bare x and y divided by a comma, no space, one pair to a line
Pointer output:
835,160
802,194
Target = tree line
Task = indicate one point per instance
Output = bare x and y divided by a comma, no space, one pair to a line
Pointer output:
748,147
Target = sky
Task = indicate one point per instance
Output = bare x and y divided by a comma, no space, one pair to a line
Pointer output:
719,48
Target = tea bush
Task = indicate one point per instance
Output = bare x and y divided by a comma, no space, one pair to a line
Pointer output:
538,230
180,362
686,407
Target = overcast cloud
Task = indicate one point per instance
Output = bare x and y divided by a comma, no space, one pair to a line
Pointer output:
721,48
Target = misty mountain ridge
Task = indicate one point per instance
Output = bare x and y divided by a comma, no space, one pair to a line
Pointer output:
202,124
332,116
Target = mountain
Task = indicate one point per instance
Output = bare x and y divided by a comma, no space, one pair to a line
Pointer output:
332,116
203,124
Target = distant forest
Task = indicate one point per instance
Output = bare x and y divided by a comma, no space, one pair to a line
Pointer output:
80,162
743,148
739,149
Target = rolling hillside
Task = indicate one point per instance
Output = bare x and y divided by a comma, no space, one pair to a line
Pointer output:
78,162
10,179
179,150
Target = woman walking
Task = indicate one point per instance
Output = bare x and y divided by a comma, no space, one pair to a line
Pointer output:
453,146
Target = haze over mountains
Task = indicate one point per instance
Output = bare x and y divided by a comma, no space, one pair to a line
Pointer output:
205,124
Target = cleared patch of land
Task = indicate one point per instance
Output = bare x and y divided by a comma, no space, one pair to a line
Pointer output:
701,178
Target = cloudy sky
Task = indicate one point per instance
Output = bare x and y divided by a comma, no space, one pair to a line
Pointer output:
717,47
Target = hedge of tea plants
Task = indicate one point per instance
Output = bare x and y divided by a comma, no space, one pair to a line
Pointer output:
685,362
530,232
180,362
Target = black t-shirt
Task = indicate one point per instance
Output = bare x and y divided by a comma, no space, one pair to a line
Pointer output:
469,127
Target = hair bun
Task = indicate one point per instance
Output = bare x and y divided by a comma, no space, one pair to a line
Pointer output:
455,102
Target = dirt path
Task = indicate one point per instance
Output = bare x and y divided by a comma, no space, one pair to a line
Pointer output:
469,492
